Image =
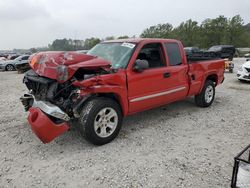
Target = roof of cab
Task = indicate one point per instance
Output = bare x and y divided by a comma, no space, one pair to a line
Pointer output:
138,40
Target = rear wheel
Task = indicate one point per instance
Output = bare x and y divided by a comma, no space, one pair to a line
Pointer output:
10,68
100,120
206,97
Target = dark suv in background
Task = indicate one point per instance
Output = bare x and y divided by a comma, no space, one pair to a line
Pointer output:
222,51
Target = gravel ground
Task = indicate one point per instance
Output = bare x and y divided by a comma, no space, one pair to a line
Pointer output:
178,145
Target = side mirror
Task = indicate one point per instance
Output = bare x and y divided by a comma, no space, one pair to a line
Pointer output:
140,65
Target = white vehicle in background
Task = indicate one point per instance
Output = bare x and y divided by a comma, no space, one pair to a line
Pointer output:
247,55
243,73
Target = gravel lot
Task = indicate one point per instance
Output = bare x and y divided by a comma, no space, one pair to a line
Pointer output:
178,145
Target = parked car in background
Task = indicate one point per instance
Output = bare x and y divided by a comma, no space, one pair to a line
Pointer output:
2,58
23,65
12,57
243,73
10,65
193,52
247,55
222,51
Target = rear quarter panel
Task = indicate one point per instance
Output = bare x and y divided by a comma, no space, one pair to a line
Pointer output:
201,70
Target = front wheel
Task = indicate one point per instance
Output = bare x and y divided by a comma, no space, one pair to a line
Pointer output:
206,97
100,120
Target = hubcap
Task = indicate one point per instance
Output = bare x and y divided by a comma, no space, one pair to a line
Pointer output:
105,122
209,94
9,67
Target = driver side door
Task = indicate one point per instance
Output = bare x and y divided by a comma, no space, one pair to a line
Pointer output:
147,89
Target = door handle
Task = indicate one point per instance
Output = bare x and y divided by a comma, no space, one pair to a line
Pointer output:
166,75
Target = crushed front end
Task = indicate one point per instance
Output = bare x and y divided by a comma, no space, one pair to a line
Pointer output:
52,102
49,104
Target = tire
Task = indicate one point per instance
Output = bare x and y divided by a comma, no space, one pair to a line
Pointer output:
206,97
9,68
231,70
95,122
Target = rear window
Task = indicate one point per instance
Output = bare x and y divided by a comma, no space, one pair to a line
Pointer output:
174,54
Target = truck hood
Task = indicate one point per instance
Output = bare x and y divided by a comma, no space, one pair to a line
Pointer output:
61,66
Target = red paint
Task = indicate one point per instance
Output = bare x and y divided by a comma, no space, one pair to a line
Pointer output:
45,129
126,84
46,63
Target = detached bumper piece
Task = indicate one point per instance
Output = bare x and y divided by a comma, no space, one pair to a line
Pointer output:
241,170
45,129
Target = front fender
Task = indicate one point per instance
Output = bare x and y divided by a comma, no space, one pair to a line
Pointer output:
114,84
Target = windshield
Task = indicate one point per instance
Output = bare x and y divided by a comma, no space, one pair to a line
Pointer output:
117,53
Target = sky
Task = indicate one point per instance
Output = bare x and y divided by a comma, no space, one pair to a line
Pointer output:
36,23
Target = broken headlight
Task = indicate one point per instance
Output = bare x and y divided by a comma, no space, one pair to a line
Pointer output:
62,73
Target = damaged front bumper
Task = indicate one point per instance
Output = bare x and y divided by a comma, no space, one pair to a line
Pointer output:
44,127
241,75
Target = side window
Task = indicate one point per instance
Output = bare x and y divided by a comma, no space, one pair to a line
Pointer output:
153,54
174,54
25,57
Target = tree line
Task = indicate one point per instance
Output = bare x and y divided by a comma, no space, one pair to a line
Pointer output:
220,30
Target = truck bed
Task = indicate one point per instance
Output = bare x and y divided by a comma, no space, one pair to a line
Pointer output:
198,71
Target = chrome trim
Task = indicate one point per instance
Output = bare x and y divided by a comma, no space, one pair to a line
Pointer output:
51,109
47,107
157,94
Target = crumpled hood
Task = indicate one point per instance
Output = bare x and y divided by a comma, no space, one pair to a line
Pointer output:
61,66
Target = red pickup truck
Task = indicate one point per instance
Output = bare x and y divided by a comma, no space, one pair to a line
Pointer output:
94,91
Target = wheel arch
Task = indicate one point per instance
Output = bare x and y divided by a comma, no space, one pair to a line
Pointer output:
117,98
114,97
212,77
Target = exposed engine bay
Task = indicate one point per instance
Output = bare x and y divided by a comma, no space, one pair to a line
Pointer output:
63,95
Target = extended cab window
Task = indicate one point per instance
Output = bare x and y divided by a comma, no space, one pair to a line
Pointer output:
173,53
153,54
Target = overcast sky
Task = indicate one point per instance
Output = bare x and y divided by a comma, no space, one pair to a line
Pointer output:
35,23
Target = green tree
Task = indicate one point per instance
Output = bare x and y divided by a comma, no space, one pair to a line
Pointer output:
123,37
33,50
214,31
158,31
91,42
62,44
188,32
236,33
110,38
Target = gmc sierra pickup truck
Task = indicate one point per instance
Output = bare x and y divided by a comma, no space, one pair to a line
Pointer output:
94,91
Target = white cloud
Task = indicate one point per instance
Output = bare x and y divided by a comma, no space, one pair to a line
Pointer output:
28,23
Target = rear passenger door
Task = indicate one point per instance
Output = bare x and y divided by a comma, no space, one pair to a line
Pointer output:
178,80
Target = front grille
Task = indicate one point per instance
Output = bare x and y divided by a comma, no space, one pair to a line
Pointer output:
39,85
248,69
